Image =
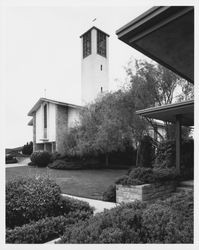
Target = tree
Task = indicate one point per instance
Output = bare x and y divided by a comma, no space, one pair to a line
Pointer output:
154,85
28,148
107,125
110,123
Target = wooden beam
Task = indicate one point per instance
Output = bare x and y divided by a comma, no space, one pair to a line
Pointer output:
178,142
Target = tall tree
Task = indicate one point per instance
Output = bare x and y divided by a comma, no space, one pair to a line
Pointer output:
154,85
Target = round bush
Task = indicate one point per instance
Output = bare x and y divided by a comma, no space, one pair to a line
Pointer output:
40,158
110,194
30,199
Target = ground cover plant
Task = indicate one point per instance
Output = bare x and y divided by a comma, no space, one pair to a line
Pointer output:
31,202
168,221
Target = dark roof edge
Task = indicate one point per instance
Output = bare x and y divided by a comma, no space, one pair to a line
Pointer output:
163,107
138,19
149,15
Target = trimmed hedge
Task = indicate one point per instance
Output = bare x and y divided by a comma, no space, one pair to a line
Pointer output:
31,199
50,228
40,231
62,164
138,222
40,158
139,176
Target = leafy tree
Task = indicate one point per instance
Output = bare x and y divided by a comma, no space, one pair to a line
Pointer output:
154,85
110,123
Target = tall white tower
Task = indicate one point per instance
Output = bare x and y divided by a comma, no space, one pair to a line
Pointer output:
95,65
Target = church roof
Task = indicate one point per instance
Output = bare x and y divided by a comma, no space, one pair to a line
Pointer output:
41,100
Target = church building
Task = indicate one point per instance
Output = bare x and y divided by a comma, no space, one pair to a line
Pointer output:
52,119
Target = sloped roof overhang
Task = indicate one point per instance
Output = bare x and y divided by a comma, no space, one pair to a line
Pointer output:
41,100
169,112
166,35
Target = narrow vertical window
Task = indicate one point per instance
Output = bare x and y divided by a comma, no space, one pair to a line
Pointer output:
87,44
101,43
101,89
101,67
45,116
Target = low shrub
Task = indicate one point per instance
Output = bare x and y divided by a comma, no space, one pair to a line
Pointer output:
170,220
30,199
139,176
10,159
76,208
110,194
122,222
55,156
62,164
40,158
137,222
40,231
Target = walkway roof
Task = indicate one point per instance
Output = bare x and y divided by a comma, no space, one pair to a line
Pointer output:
169,112
165,34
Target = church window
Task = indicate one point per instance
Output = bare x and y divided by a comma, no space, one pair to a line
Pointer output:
45,116
87,44
101,43
101,67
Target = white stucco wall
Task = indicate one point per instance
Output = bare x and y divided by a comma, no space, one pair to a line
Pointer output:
51,131
93,78
73,117
50,123
39,125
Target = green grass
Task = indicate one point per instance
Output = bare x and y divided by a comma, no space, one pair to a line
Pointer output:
83,183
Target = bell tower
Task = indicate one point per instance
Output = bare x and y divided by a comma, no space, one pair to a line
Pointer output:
94,64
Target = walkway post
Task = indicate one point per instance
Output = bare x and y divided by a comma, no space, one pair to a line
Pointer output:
178,142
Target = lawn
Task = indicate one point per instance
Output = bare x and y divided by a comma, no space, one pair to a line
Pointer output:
83,183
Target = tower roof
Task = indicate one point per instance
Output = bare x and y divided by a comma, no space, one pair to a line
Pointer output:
96,29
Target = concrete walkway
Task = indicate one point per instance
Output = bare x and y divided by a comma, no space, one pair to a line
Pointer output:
22,161
98,205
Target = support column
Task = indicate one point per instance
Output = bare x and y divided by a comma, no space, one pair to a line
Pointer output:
178,142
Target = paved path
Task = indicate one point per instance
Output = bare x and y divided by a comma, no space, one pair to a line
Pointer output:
22,161
98,205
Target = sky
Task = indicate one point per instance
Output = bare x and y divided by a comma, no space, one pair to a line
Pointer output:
43,51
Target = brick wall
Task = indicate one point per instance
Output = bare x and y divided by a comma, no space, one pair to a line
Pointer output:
61,128
145,192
